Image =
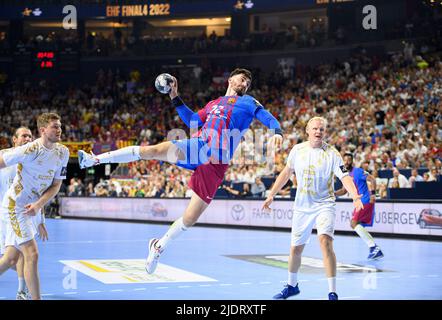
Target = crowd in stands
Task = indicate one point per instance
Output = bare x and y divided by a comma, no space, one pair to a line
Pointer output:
102,44
384,110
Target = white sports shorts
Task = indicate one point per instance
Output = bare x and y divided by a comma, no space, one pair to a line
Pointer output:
20,228
303,222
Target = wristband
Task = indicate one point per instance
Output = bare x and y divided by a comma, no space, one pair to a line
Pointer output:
177,102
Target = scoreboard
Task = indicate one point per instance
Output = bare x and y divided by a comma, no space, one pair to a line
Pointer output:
28,61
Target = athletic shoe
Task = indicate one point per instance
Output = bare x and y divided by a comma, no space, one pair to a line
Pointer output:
23,295
332,296
286,292
86,160
153,257
375,253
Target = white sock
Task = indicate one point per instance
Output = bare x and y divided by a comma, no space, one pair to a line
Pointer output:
123,155
331,284
363,233
293,279
174,231
21,284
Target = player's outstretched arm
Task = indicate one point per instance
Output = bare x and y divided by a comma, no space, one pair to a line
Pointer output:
190,118
267,119
280,182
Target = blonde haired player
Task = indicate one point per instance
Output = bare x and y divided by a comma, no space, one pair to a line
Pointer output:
41,168
315,164
22,136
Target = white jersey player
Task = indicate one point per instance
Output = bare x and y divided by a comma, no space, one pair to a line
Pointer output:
21,136
41,167
315,164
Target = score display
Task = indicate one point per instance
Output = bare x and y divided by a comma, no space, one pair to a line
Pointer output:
45,59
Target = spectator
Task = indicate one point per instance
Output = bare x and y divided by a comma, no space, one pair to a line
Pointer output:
415,177
398,178
113,191
258,188
101,191
433,174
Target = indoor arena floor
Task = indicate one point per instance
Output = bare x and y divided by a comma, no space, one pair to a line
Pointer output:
87,259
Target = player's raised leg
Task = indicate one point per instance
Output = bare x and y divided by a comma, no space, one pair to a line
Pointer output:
165,151
157,246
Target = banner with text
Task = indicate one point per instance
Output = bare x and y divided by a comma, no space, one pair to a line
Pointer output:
390,217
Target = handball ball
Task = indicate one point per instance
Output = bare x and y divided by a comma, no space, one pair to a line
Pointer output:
162,83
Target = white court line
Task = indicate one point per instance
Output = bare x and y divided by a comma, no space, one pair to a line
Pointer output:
242,283
414,276
432,275
2,297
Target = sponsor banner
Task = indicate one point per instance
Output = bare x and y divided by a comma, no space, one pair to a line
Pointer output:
131,271
75,146
436,227
390,217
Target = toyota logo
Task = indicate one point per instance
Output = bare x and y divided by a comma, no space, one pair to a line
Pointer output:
238,213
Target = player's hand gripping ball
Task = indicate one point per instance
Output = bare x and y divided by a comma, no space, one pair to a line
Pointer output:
162,83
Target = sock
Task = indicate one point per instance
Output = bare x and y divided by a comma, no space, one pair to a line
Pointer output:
368,239
174,231
331,284
21,284
293,279
123,155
